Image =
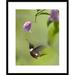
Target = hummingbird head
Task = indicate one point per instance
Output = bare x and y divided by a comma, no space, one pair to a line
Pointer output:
35,51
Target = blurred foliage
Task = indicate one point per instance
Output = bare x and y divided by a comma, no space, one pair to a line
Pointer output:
40,35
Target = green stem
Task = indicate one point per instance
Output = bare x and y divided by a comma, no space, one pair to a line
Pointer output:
56,27
41,13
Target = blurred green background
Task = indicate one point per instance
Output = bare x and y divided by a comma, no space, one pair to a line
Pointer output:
39,34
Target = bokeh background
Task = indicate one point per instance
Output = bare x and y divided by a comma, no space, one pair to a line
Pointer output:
40,34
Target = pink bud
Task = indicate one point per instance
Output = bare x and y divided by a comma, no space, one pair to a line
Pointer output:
27,26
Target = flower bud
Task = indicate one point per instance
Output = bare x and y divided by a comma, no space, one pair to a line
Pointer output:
27,26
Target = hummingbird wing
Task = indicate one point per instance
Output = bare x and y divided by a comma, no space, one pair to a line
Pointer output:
38,48
31,46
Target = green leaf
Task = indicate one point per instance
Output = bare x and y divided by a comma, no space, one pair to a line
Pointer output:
51,58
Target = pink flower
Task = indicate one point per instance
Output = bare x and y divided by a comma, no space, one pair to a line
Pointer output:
27,26
54,15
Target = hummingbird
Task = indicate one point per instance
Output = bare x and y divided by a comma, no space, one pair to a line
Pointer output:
35,51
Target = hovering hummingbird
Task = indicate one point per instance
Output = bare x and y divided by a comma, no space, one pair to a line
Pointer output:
35,51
